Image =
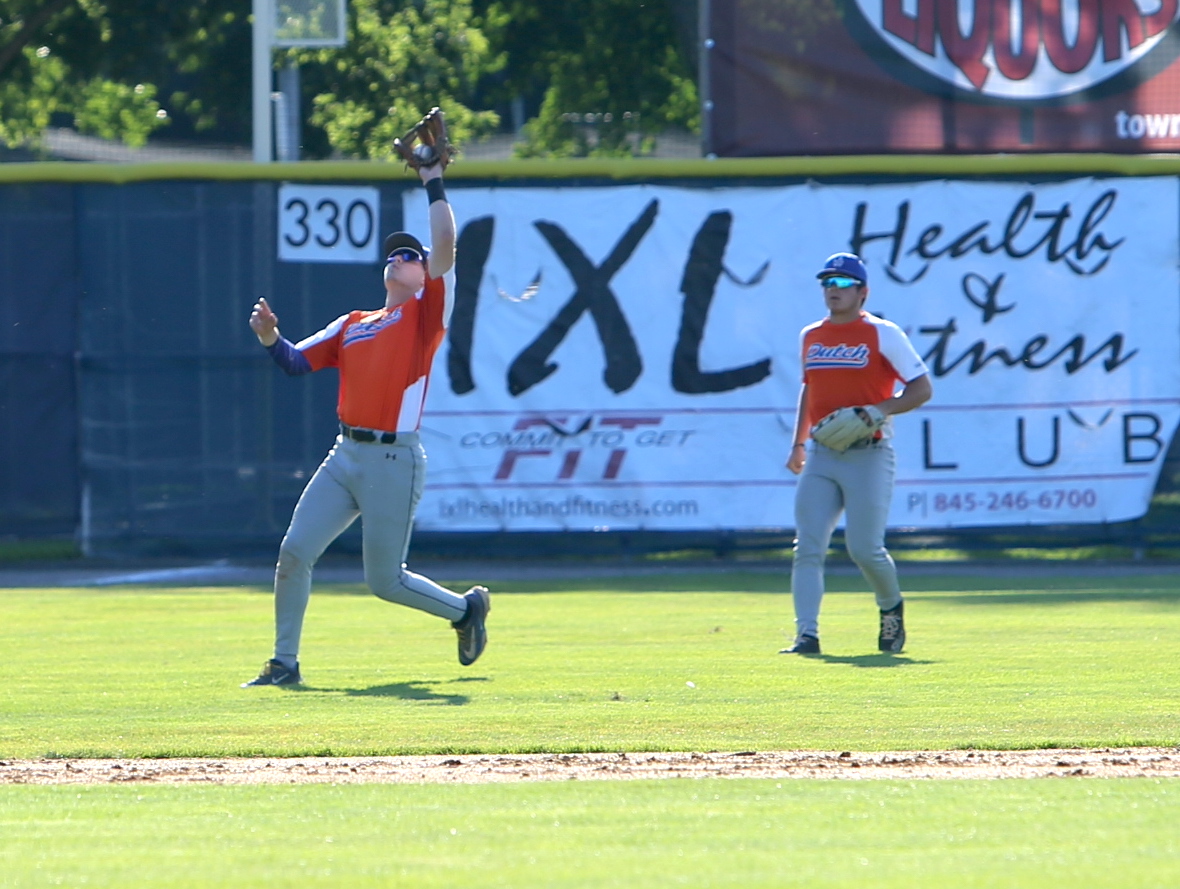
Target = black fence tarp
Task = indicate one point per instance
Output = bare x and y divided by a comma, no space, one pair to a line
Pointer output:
190,435
38,332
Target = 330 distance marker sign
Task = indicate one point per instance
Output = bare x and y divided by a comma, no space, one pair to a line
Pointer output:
324,223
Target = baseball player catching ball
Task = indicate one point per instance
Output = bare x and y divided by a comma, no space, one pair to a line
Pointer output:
852,363
377,466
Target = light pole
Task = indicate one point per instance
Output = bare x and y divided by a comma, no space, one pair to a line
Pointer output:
261,80
285,24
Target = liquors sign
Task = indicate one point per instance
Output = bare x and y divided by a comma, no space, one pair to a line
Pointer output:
970,76
1022,49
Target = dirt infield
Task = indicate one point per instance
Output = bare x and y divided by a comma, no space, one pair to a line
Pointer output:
1133,762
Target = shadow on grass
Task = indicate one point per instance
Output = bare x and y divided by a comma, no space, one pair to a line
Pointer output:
1063,597
869,660
845,579
406,691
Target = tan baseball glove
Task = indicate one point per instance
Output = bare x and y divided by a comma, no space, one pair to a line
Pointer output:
426,143
843,428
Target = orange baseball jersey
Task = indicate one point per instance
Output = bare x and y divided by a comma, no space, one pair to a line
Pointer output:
854,364
384,357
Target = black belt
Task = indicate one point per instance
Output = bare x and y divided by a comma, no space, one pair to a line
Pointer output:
368,435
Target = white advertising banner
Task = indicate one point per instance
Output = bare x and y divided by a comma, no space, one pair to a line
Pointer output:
628,357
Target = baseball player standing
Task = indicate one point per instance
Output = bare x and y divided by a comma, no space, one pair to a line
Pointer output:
376,467
852,363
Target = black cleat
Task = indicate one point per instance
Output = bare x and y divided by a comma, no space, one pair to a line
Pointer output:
473,634
275,673
892,637
804,644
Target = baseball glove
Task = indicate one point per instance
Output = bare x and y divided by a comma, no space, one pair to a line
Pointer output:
843,428
432,144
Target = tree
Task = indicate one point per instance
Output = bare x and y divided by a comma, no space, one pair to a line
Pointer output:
402,58
126,68
611,74
112,65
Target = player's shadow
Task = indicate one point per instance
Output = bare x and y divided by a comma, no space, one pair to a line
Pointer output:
868,661
408,691
1065,597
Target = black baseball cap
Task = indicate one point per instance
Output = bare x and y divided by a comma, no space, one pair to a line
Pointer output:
403,239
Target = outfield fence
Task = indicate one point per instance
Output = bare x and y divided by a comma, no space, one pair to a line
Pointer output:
140,417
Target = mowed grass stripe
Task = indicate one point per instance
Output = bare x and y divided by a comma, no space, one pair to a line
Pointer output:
716,833
673,663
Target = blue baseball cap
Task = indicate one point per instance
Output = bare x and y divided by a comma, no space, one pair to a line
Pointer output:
844,264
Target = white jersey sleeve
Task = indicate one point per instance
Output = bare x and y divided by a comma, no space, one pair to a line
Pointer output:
328,333
897,349
448,296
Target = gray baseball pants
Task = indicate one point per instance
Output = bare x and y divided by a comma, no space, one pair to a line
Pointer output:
858,482
382,483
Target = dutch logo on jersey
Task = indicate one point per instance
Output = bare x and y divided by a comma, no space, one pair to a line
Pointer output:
366,330
819,356
1022,49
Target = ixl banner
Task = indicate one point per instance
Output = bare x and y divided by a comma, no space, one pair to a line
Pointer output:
628,357
935,75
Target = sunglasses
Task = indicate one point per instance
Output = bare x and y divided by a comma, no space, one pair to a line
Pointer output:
840,282
405,254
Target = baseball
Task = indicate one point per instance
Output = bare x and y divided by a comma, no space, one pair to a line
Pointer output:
424,153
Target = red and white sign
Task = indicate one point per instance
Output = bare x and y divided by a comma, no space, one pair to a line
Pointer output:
943,75
1022,49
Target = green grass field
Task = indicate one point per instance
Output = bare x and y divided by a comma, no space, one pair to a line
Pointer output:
714,832
671,663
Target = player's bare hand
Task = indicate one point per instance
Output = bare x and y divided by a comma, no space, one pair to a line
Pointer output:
797,459
264,323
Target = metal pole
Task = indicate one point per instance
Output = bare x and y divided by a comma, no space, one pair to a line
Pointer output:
282,132
290,121
261,81
704,73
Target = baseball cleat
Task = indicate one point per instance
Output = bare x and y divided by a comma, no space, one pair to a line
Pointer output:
804,644
473,634
276,673
892,637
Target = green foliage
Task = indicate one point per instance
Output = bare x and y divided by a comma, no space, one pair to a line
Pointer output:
594,665
117,111
28,102
106,62
613,74
1110,833
402,58
125,68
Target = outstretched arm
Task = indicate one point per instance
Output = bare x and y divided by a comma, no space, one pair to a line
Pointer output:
442,222
265,325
